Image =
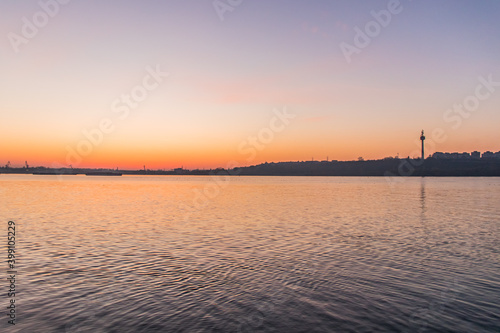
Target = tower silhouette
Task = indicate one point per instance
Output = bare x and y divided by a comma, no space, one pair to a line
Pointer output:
422,138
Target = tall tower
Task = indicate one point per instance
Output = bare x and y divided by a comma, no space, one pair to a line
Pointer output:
422,138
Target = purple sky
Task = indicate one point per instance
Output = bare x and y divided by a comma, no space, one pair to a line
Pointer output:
227,76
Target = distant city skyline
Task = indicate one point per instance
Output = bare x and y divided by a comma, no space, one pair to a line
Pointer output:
436,155
203,85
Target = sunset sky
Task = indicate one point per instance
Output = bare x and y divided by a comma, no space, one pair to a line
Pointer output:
67,68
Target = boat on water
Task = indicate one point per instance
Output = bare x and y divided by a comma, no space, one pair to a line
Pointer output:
103,173
53,172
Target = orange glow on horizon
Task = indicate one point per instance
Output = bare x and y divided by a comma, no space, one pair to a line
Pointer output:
189,157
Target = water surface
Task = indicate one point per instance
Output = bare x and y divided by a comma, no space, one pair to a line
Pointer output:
254,254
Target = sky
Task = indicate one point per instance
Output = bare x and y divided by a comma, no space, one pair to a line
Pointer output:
206,84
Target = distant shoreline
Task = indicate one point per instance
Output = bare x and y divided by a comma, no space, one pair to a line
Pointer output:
431,167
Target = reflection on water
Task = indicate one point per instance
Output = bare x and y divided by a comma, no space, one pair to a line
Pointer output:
273,254
423,218
422,195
